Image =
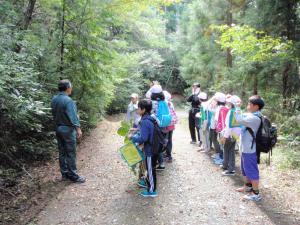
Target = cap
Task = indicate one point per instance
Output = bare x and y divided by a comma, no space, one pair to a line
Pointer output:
202,95
220,97
196,84
231,100
156,89
134,95
236,98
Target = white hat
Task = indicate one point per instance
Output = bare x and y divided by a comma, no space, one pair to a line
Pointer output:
233,100
202,95
236,98
156,89
167,95
134,95
220,97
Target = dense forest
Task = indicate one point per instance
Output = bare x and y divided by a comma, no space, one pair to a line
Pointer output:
109,49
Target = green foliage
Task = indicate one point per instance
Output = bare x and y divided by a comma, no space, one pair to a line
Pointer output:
108,49
251,44
123,131
257,52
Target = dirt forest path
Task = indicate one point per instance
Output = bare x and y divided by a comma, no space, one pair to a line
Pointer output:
191,189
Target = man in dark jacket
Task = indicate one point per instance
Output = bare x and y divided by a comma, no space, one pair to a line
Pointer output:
145,137
195,108
64,112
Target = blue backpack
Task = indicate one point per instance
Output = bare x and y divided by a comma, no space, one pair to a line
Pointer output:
163,114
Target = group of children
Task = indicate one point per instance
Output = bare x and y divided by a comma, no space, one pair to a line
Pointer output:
150,116
220,124
212,121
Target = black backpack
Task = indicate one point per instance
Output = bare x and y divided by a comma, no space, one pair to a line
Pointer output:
265,138
159,141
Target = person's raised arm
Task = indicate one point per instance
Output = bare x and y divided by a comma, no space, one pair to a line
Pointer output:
244,119
190,98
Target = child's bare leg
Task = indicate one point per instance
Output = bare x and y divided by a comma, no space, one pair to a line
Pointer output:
255,186
247,183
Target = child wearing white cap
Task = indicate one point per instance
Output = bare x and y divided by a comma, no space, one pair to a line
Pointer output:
217,101
204,124
156,95
220,117
229,140
169,130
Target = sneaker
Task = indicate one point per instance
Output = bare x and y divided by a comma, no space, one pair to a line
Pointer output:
160,168
227,173
244,189
200,143
216,156
204,150
79,180
147,194
193,142
218,161
65,178
142,183
222,167
253,197
169,160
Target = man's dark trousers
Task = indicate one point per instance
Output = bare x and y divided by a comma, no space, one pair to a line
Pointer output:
66,139
192,124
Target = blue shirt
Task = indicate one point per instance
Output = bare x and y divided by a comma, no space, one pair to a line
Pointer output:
64,111
145,136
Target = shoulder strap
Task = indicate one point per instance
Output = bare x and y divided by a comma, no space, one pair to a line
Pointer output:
252,132
152,120
223,119
252,135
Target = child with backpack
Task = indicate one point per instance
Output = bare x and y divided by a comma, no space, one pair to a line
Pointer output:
249,162
204,123
229,138
218,111
160,111
146,136
213,136
220,117
169,129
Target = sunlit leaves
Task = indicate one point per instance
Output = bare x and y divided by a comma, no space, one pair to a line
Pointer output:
251,44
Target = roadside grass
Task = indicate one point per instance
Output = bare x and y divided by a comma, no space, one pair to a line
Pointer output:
285,158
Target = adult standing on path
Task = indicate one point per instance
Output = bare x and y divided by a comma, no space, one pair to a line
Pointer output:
64,111
132,116
195,108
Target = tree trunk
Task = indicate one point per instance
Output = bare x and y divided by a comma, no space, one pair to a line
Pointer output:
291,22
62,47
255,84
25,22
285,87
28,14
229,23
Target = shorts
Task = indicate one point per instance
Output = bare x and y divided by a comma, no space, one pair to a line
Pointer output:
249,166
